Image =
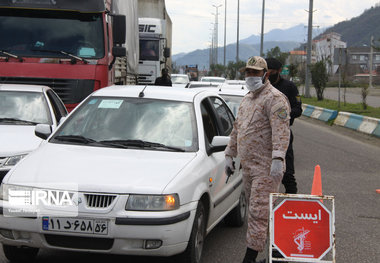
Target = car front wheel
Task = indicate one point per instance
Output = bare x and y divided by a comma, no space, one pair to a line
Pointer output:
20,254
194,249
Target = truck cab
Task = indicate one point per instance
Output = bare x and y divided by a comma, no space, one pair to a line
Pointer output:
153,49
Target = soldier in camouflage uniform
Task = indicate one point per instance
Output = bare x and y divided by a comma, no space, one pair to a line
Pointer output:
260,137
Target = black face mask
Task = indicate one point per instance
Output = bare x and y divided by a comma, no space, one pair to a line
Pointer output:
273,78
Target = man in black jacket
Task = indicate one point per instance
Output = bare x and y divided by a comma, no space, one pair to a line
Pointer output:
164,80
291,92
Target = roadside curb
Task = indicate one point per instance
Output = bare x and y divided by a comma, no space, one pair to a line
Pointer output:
349,120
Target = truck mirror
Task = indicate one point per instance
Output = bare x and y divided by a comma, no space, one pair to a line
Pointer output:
167,52
118,29
119,51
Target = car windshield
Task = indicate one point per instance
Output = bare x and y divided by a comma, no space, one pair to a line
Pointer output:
219,80
179,79
131,121
23,108
38,33
233,102
149,49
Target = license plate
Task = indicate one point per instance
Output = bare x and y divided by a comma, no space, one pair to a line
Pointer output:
75,225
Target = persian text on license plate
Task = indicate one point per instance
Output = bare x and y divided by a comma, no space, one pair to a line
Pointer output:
75,225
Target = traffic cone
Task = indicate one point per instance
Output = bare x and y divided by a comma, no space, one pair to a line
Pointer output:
316,189
378,191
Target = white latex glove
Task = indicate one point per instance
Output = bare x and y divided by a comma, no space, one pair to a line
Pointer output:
277,170
230,164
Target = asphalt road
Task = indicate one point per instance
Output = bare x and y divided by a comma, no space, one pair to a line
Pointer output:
350,165
353,95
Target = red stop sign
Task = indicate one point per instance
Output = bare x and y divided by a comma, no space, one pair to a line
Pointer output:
302,229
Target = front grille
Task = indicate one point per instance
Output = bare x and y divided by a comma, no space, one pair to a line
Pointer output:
99,201
70,91
79,242
2,174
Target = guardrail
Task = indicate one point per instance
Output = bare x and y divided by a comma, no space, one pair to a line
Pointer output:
349,120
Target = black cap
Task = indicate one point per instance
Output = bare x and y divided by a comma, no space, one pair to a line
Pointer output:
273,63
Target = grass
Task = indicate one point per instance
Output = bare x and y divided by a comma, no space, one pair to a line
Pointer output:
348,107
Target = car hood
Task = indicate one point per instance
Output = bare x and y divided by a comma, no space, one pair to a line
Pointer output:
99,169
17,139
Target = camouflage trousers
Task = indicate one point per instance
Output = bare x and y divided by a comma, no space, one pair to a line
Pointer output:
258,184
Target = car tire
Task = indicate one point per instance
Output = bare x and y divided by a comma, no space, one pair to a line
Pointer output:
20,254
236,217
193,252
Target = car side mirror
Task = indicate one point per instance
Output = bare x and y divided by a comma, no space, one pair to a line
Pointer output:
218,144
43,131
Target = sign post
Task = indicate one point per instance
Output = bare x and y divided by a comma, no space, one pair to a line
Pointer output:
302,228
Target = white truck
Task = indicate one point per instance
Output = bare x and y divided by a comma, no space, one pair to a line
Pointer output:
155,33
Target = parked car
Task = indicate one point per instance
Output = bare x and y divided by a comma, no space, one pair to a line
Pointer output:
22,107
202,84
148,163
179,80
213,79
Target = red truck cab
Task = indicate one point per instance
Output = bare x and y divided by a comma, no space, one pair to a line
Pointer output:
68,45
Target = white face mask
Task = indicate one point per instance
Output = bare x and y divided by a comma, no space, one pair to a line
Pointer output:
254,83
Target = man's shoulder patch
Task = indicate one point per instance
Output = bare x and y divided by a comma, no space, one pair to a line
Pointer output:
282,113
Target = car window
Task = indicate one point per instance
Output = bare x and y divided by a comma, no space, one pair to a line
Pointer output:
108,119
233,102
209,124
225,116
58,107
25,106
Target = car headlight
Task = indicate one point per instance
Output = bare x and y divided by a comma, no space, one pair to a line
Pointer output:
152,202
16,192
13,160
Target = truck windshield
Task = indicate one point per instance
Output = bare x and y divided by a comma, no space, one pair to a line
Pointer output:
24,32
149,49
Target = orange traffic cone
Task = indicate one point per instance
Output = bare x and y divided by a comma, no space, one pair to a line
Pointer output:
317,182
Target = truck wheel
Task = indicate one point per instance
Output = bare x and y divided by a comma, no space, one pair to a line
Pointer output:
20,254
194,249
236,217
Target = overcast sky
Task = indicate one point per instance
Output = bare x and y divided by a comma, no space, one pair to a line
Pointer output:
192,19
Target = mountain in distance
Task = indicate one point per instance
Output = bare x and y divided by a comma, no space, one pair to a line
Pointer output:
201,57
358,30
296,33
285,39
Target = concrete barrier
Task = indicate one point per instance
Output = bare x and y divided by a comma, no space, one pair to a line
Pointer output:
352,121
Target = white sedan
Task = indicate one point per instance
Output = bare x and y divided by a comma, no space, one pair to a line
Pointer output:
22,107
132,170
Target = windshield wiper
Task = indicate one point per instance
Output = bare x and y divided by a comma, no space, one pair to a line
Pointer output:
140,144
18,121
64,53
74,138
11,55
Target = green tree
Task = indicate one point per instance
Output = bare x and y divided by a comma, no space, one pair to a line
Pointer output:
293,70
232,68
277,54
319,78
217,70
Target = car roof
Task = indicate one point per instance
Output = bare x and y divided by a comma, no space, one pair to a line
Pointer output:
20,87
201,84
150,92
211,77
184,75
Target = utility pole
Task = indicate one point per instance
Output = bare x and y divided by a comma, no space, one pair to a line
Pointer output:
309,43
216,32
225,31
262,31
237,41
371,63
